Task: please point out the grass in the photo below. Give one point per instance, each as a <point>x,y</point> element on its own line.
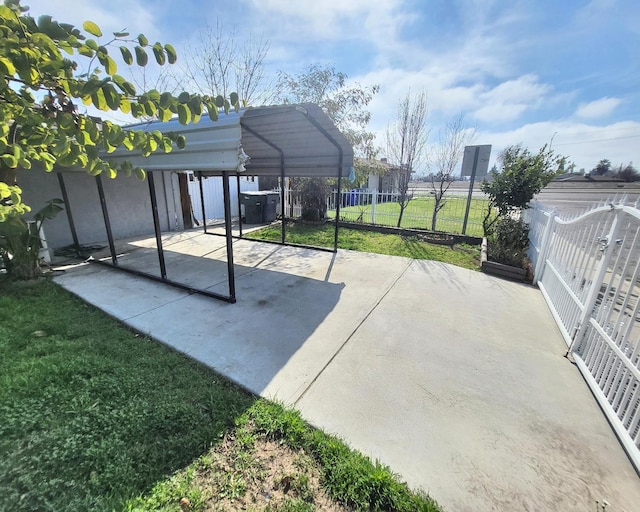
<point>95,417</point>
<point>418,214</point>
<point>462,255</point>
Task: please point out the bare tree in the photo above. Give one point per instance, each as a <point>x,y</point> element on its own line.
<point>219,65</point>
<point>344,103</point>
<point>405,143</point>
<point>447,153</point>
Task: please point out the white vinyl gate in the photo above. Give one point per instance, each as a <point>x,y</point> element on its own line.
<point>588,269</point>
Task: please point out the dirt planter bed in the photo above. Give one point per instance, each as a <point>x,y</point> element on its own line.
<point>500,269</point>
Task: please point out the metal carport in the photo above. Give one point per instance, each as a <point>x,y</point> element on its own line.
<point>283,140</point>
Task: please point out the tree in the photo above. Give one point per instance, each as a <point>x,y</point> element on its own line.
<point>40,88</point>
<point>628,173</point>
<point>603,167</point>
<point>510,191</point>
<point>523,175</point>
<point>448,152</point>
<point>218,64</point>
<point>344,104</point>
<point>405,143</point>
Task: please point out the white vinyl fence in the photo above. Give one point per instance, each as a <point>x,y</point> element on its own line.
<point>588,269</point>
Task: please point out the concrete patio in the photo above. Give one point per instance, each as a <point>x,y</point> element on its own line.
<point>454,379</point>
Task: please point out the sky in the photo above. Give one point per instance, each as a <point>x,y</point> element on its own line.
<point>530,72</point>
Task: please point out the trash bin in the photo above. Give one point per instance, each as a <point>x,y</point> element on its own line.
<point>271,202</point>
<point>253,203</point>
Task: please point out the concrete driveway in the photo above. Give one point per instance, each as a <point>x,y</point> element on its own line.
<point>454,379</point>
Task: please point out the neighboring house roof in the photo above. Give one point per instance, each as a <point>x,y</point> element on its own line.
<point>380,166</point>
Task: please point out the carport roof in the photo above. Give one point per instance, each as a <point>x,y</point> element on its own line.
<point>300,140</point>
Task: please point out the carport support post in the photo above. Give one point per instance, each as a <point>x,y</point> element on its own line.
<point>335,234</point>
<point>107,223</point>
<point>227,229</point>
<point>156,225</point>
<point>72,225</point>
<point>204,218</point>
<point>282,215</point>
<point>239,206</point>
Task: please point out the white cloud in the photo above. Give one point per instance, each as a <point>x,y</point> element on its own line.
<point>332,18</point>
<point>509,100</point>
<point>598,108</point>
<point>584,144</point>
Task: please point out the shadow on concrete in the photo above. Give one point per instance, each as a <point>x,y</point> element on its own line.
<point>277,311</point>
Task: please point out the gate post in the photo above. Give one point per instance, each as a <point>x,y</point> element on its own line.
<point>592,297</point>
<point>544,247</point>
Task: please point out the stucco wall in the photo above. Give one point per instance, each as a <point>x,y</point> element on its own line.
<point>127,199</point>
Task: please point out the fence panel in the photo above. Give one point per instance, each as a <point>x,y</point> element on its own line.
<point>590,278</point>
<point>383,209</point>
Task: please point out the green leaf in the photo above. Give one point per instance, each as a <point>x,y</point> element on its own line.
<point>233,97</point>
<point>7,67</point>
<point>92,44</point>
<point>195,105</point>
<point>139,172</point>
<point>85,51</point>
<point>98,100</point>
<point>126,55</point>
<point>164,114</point>
<point>165,100</point>
<point>181,141</point>
<point>92,151</point>
<point>184,97</point>
<point>227,106</point>
<point>141,56</point>
<point>143,40</point>
<point>184,114</point>
<point>110,65</point>
<point>213,111</point>
<point>111,96</point>
<point>158,52</point>
<point>9,160</point>
<point>92,28</point>
<point>172,56</point>
<point>219,101</point>
<point>125,86</point>
<point>125,105</point>
<point>121,34</point>
<point>149,108</point>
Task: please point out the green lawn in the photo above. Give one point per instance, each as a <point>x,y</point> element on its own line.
<point>418,214</point>
<point>95,417</point>
<point>462,255</point>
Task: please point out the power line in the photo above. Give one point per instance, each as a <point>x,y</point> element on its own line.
<point>596,140</point>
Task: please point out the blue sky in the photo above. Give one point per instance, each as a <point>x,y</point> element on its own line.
<point>520,71</point>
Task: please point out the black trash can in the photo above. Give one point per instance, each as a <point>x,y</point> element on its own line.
<point>253,206</point>
<point>271,202</point>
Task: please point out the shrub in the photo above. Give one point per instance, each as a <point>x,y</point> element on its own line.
<point>509,242</point>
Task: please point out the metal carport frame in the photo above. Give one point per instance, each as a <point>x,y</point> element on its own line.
<point>285,140</point>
